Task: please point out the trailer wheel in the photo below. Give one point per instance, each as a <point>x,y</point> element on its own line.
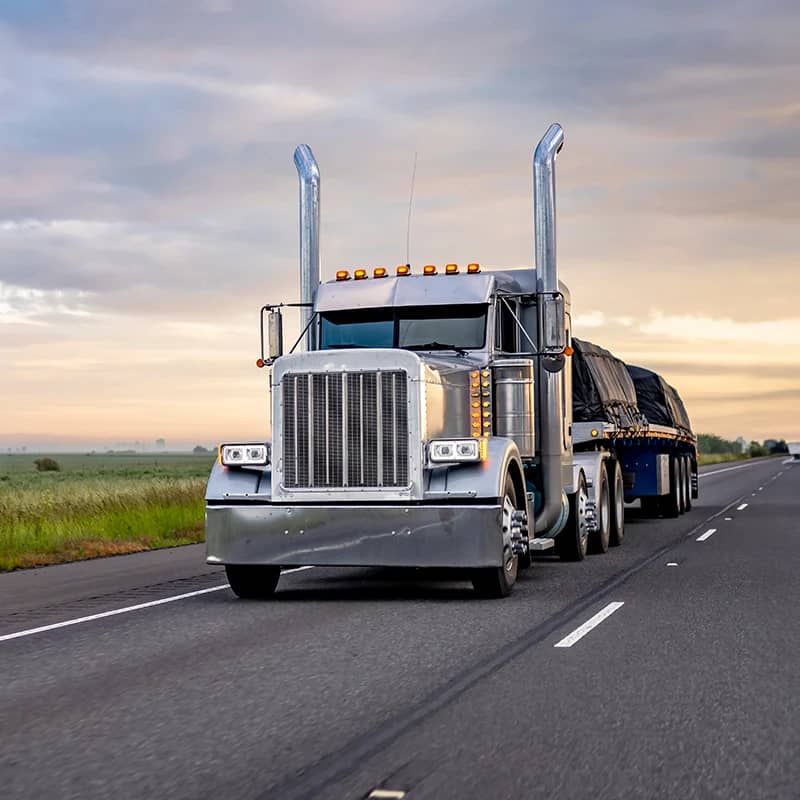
<point>499,581</point>
<point>617,507</point>
<point>688,482</point>
<point>252,581</point>
<point>599,538</point>
<point>671,504</point>
<point>574,539</point>
<point>682,476</point>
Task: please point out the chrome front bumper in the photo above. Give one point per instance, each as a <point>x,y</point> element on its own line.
<point>355,535</point>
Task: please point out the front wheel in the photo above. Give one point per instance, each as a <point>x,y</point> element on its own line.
<point>499,581</point>
<point>573,541</point>
<point>253,581</point>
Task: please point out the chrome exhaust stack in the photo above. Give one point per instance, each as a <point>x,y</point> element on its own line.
<point>308,174</point>
<point>551,517</point>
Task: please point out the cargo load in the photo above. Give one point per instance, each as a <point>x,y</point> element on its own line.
<point>602,389</point>
<point>658,401</point>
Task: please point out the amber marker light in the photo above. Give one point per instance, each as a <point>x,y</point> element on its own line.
<point>484,449</point>
<point>451,269</point>
<point>342,275</point>
<point>568,351</point>
<point>404,269</point>
<point>260,362</point>
<point>379,272</point>
<point>360,274</point>
<point>429,269</point>
<point>473,268</point>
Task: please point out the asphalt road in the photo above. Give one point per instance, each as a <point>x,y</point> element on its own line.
<point>352,680</point>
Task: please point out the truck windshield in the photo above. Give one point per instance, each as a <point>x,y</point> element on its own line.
<point>413,328</point>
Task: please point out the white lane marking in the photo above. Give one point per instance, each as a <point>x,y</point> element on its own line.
<point>728,519</point>
<point>728,469</point>
<point>114,612</point>
<point>389,794</point>
<point>742,507</point>
<point>704,536</point>
<point>672,563</point>
<point>760,488</point>
<point>590,623</point>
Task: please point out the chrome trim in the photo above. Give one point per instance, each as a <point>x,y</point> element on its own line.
<point>309,178</point>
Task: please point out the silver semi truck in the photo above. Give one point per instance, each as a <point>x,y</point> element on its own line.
<point>427,422</point>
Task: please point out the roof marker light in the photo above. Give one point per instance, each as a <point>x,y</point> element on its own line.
<point>379,272</point>
<point>342,275</point>
<point>360,274</point>
<point>473,268</point>
<point>429,269</point>
<point>451,269</point>
<point>404,269</point>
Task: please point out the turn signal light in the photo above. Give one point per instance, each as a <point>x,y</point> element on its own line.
<point>429,269</point>
<point>379,272</point>
<point>360,274</point>
<point>451,269</point>
<point>342,275</point>
<point>472,268</point>
<point>404,269</point>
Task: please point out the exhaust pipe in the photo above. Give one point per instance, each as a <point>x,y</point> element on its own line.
<point>308,174</point>
<point>553,514</point>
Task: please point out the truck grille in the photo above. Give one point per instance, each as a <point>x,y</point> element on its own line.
<point>345,429</point>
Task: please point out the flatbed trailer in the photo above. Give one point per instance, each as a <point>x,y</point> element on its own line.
<point>658,463</point>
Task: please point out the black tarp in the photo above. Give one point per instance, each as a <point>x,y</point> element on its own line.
<point>658,401</point>
<point>602,389</point>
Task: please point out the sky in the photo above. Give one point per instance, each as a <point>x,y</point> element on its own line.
<point>148,199</point>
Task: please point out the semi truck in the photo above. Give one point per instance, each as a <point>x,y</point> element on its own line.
<point>424,419</point>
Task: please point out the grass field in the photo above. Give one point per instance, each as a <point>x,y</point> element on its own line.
<point>98,505</point>
<point>705,460</point>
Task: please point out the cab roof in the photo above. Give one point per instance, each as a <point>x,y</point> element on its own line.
<point>425,290</point>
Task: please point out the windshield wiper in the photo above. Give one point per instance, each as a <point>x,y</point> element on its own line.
<point>345,346</point>
<point>436,346</point>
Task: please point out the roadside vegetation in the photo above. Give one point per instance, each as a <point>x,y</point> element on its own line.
<point>714,449</point>
<point>96,505</point>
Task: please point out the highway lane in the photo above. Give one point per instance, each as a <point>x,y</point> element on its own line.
<point>355,678</point>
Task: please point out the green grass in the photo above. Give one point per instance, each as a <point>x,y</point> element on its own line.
<point>98,505</point>
<point>706,459</point>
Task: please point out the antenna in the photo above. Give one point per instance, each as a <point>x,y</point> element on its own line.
<point>410,203</point>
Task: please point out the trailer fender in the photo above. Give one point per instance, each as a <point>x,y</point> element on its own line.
<point>230,483</point>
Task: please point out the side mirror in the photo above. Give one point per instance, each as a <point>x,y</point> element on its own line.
<point>274,335</point>
<point>554,336</point>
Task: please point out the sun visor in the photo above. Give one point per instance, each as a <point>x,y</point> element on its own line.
<point>409,290</point>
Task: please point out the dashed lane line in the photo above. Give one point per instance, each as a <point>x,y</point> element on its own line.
<point>710,532</point>
<point>589,625</point>
<point>742,507</point>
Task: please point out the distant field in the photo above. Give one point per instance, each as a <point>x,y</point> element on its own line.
<point>705,459</point>
<point>98,505</point>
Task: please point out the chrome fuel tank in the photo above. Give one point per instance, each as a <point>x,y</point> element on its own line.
<point>514,403</point>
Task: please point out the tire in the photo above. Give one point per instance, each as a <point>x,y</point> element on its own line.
<point>682,482</point>
<point>671,503</point>
<point>495,582</point>
<point>573,541</point>
<point>253,581</point>
<point>688,462</point>
<point>599,539</point>
<point>617,532</point>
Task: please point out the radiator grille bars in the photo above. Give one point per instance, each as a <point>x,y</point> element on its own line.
<point>345,429</point>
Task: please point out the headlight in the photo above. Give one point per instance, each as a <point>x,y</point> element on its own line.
<point>454,450</point>
<point>244,455</point>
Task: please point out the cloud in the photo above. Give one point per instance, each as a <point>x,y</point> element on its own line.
<point>765,333</point>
